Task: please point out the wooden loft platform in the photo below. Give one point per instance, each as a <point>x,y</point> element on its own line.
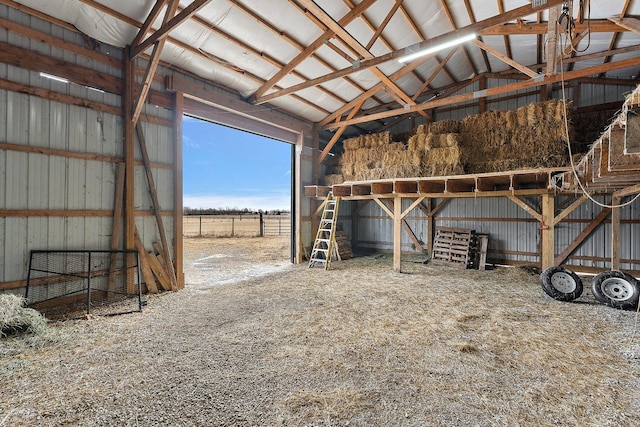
<point>512,183</point>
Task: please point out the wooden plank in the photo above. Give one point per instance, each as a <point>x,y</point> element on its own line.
<point>145,268</point>
<point>547,231</point>
<point>178,223</point>
<point>116,226</point>
<point>582,236</point>
<point>159,271</point>
<point>156,208</point>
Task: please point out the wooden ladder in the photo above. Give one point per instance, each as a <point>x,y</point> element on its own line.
<point>325,237</point>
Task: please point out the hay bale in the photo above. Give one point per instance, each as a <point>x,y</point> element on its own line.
<point>443,126</point>
<point>333,179</point>
<point>15,318</point>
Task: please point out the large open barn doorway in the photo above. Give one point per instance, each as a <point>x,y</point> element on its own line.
<point>237,192</point>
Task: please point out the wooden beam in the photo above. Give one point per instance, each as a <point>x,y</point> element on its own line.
<point>504,58</point>
<point>355,44</point>
<point>328,34</point>
<point>582,236</point>
<point>146,25</point>
<point>634,189</point>
<point>169,24</point>
<point>395,54</point>
<point>562,215</point>
<point>631,24</point>
<point>129,153</point>
<point>152,65</point>
<point>625,63</point>
<point>524,205</point>
<point>541,28</point>
<point>338,133</point>
<point>225,102</point>
<point>178,223</point>
<point>157,209</point>
<point>397,234</point>
<point>116,226</point>
<point>384,207</point>
<point>412,206</point>
<point>384,23</point>
<point>433,75</point>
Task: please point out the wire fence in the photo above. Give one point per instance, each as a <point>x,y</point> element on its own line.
<point>242,225</point>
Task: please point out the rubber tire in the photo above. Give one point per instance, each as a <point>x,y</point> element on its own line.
<point>616,289</point>
<point>561,283</point>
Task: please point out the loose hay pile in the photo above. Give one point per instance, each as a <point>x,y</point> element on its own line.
<point>532,136</point>
<point>434,346</point>
<point>15,318</point>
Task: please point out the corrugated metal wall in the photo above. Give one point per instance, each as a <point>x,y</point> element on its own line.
<point>513,233</point>
<point>32,184</point>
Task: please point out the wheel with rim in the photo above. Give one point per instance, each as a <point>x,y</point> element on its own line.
<point>561,283</point>
<point>616,289</point>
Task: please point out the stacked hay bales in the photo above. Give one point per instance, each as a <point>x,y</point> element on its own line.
<point>376,156</point>
<point>532,136</point>
<point>437,145</point>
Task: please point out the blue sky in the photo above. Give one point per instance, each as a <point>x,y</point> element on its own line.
<point>227,168</point>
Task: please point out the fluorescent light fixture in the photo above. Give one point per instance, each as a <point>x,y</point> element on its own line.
<point>94,89</point>
<point>410,56</point>
<point>52,77</point>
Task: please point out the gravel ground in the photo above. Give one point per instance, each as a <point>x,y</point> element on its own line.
<point>256,341</point>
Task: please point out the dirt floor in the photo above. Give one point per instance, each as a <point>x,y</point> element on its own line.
<point>256,341</point>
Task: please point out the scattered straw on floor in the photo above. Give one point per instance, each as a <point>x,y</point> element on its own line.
<point>355,345</point>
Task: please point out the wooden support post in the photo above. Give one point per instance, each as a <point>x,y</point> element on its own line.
<point>615,233</point>
<point>116,227</point>
<point>129,163</point>
<point>178,232</point>
<point>298,191</point>
<point>430,224</point>
<point>397,234</point>
<point>547,240</point>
